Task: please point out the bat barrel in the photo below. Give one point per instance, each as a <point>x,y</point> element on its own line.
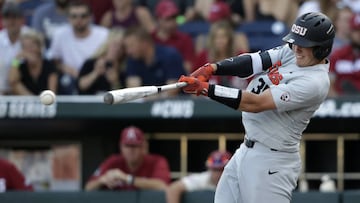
<point>109,98</point>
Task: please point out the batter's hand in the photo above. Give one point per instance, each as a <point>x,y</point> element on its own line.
<point>203,73</point>
<point>194,86</point>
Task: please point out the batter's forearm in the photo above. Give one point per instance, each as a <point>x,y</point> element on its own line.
<point>243,66</point>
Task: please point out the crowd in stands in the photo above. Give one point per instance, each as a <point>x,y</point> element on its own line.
<point>89,47</point>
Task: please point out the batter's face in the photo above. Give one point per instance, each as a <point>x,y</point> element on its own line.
<point>304,56</point>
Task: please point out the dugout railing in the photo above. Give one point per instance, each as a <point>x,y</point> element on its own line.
<point>184,129</point>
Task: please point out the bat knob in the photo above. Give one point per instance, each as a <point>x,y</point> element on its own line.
<point>108,98</point>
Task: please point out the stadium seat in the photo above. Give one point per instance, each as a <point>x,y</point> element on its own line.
<point>146,196</point>
<point>68,197</point>
<point>195,28</point>
<point>263,34</point>
<point>351,197</point>
<point>204,196</point>
<point>316,197</point>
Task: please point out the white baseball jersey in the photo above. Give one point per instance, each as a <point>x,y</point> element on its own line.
<point>297,93</point>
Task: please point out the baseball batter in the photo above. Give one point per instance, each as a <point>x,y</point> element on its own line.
<point>288,85</point>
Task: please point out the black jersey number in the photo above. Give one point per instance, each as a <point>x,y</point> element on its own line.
<point>261,86</point>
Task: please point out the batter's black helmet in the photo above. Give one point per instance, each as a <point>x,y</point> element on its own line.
<point>313,30</point>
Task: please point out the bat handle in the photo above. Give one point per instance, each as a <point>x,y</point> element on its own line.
<point>172,86</point>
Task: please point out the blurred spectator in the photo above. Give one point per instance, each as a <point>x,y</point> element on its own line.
<point>342,27</point>
<point>82,40</point>
<point>13,26</point>
<point>327,184</point>
<point>31,73</point>
<point>150,64</point>
<point>202,10</point>
<point>11,178</point>
<point>167,32</point>
<point>48,17</point>
<point>281,10</point>
<point>327,7</point>
<point>98,8</point>
<point>345,74</point>
<point>125,15</point>
<point>220,45</point>
<point>237,11</point>
<point>104,71</point>
<point>206,180</point>
<point>1,5</point>
<point>28,7</point>
<point>199,10</point>
<point>134,168</point>
<point>220,11</point>
<point>353,4</point>
<point>151,4</point>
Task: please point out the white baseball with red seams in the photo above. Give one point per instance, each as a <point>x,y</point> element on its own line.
<point>47,97</point>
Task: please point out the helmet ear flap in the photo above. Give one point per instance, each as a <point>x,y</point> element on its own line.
<point>320,52</point>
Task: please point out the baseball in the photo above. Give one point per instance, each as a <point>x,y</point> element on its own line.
<point>47,97</point>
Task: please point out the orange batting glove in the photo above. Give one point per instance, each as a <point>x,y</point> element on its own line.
<point>194,86</point>
<point>203,73</point>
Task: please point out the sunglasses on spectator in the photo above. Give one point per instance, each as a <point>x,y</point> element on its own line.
<point>82,15</point>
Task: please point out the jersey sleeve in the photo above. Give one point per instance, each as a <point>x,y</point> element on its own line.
<point>299,93</point>
<point>17,179</point>
<point>249,64</point>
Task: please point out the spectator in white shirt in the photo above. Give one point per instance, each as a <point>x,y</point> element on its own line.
<point>13,26</point>
<point>206,180</point>
<point>73,44</point>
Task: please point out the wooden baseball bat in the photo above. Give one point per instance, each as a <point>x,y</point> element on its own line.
<point>132,93</point>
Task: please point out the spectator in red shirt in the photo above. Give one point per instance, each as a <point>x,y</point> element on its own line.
<point>344,68</point>
<point>99,8</point>
<point>167,32</point>
<point>134,168</point>
<point>11,178</point>
<point>125,14</point>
